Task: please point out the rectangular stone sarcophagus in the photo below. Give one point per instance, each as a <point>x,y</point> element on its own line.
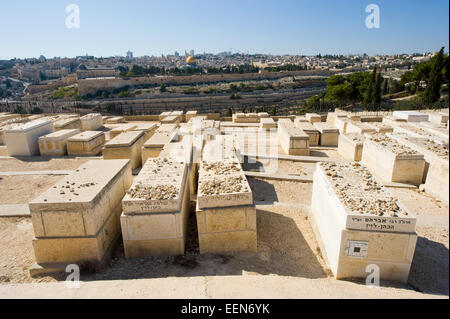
<point>77,220</point>
<point>359,224</point>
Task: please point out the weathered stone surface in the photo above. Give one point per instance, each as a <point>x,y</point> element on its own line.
<point>121,129</point>
<point>127,145</point>
<point>353,240</point>
<point>293,140</point>
<point>411,116</point>
<point>67,124</point>
<point>115,120</point>
<point>89,143</point>
<point>311,130</point>
<point>91,122</point>
<point>56,143</point>
<point>79,204</point>
<point>329,135</point>
<point>400,163</point>
<point>313,117</point>
<point>23,139</point>
<point>351,146</point>
<point>156,210</point>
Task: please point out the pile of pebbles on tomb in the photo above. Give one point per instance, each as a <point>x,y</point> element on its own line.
<point>165,170</point>
<point>437,148</point>
<point>358,190</point>
<point>227,185</point>
<point>159,192</point>
<point>417,130</point>
<point>221,168</point>
<point>392,145</point>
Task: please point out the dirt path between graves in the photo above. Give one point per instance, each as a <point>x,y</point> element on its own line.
<point>23,189</point>
<point>39,163</point>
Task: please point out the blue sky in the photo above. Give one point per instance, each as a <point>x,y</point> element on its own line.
<point>149,27</point>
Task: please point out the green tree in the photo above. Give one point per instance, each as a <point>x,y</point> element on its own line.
<point>274,111</point>
<point>376,95</point>
<point>432,92</point>
<point>368,97</point>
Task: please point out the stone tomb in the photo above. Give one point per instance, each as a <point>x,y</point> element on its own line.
<point>77,220</point>
<point>163,136</point>
<point>156,210</point>
<point>23,140</point>
<point>382,127</point>
<point>341,124</point>
<point>172,119</point>
<point>248,117</point>
<point>351,146</point>
<point>358,223</point>
<point>89,143</point>
<point>332,116</point>
<point>300,119</point>
<point>421,131</point>
<point>120,129</point>
<point>437,171</point>
<point>329,135</point>
<point>411,116</point>
<point>190,115</point>
<point>68,124</point>
<point>115,120</point>
<point>308,128</point>
<point>163,115</point>
<point>429,129</point>
<point>392,161</point>
<point>91,122</point>
<point>293,140</point>
<point>148,128</point>
<point>182,151</point>
<point>55,144</point>
<point>226,215</point>
<point>267,124</point>
<point>127,145</point>
<point>313,117</point>
<point>438,118</point>
<point>360,128</point>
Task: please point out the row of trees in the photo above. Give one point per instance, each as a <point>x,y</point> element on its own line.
<point>425,79</point>
<point>137,70</point>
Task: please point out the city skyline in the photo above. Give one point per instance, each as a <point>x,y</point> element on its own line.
<point>282,28</point>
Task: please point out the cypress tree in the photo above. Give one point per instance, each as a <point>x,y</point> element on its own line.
<point>376,98</point>
<point>432,92</point>
<point>370,89</point>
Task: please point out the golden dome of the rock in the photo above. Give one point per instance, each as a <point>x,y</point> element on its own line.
<point>191,60</point>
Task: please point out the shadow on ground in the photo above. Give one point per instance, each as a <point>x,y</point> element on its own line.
<point>429,269</point>
<point>282,250</point>
<point>263,191</point>
<point>318,154</point>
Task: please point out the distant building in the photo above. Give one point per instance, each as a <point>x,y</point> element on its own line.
<point>129,55</point>
<point>177,54</point>
<point>191,62</point>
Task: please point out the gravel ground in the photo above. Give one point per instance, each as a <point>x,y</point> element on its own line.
<point>17,164</point>
<point>24,188</point>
